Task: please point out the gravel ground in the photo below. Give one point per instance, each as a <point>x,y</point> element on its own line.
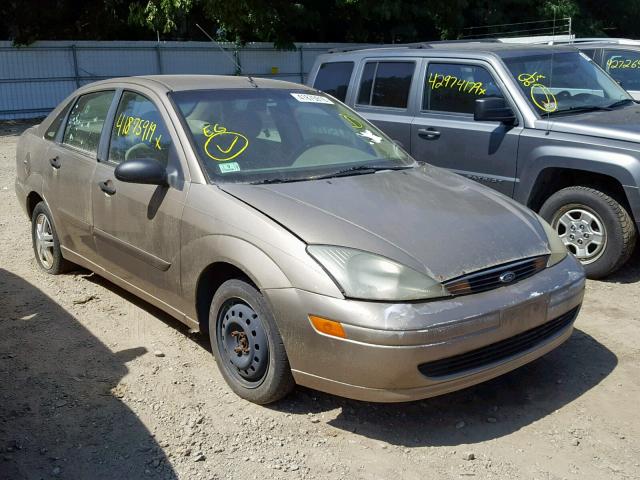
<point>95,383</point>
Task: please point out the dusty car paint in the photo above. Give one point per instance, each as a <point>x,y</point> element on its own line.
<point>163,241</point>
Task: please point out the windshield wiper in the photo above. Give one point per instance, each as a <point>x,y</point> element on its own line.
<point>590,108</point>
<point>619,103</point>
<point>360,170</point>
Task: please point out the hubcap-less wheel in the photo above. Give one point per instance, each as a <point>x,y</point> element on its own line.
<point>44,241</point>
<point>582,231</point>
<point>242,342</point>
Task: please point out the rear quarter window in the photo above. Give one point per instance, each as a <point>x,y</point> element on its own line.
<point>333,78</point>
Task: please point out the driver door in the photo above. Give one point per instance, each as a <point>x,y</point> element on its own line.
<point>137,227</point>
<point>444,132</point>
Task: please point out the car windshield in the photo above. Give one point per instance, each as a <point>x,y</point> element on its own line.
<point>263,135</point>
<point>565,82</point>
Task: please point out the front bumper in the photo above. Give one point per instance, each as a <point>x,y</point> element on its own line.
<point>386,343</point>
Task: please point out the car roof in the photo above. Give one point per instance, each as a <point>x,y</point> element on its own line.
<point>462,48</point>
<point>174,83</point>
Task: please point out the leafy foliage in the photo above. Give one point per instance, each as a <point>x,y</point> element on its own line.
<point>282,22</point>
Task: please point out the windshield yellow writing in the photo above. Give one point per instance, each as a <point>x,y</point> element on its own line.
<point>138,127</point>
<point>618,62</point>
<point>354,122</point>
<point>438,80</point>
<point>222,145</point>
<point>541,96</point>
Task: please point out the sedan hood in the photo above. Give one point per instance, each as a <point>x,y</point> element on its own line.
<point>620,124</point>
<point>426,218</point>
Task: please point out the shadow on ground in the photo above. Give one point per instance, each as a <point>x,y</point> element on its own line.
<point>490,410</point>
<point>10,128</point>
<point>629,272</point>
<point>59,412</point>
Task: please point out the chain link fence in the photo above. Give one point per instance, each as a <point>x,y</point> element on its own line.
<point>34,79</point>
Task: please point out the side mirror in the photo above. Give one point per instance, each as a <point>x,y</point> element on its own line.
<point>493,109</point>
<point>142,170</point>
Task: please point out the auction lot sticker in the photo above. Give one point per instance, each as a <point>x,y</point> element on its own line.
<point>305,97</point>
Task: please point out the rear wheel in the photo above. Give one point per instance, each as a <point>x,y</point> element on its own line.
<point>247,344</point>
<point>594,226</point>
<point>46,244</point>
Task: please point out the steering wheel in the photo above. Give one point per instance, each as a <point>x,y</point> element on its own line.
<point>563,95</point>
<point>293,156</point>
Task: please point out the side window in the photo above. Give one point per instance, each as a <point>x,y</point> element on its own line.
<point>624,67</point>
<point>86,121</point>
<point>386,84</point>
<point>138,131</point>
<point>333,78</point>
<point>589,52</point>
<point>52,131</point>
<point>455,87</point>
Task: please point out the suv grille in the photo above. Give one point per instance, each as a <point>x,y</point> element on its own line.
<point>495,277</point>
<point>498,351</point>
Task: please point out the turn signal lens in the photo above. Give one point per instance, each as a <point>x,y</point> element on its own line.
<point>328,327</point>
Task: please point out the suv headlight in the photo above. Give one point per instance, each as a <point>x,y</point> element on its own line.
<point>558,249</point>
<point>373,277</point>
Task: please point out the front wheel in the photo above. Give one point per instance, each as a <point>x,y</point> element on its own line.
<point>247,345</point>
<point>595,227</point>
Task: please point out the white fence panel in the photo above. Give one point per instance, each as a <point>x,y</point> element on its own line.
<point>34,79</point>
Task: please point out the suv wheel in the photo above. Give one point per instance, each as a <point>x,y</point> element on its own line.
<point>595,228</point>
<point>247,345</point>
<point>46,245</point>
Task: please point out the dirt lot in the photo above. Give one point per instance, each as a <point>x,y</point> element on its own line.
<point>97,384</point>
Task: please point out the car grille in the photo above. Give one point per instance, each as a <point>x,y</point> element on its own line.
<point>494,277</point>
<point>497,351</point>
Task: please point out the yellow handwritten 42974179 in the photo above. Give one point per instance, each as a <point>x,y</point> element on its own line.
<point>228,145</point>
<point>540,94</point>
<point>438,80</point>
<point>139,127</point>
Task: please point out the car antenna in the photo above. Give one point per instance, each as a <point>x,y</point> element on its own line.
<point>235,62</point>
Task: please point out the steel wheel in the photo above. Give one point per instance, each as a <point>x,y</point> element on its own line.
<point>44,241</point>
<point>582,231</point>
<point>242,342</point>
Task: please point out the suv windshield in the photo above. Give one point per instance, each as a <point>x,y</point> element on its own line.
<point>278,135</point>
<point>565,82</point>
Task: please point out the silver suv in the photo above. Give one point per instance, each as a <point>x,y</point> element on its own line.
<point>542,124</point>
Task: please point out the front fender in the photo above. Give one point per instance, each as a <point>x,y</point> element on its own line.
<point>619,164</point>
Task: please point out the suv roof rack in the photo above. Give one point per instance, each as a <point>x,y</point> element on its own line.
<point>428,44</point>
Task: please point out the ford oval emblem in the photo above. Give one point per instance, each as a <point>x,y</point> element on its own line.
<point>507,277</point>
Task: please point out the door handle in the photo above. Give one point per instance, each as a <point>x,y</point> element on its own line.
<point>55,162</point>
<point>106,187</point>
<point>428,133</point>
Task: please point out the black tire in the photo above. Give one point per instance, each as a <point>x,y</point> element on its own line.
<point>250,356</point>
<point>607,213</point>
<point>53,262</point>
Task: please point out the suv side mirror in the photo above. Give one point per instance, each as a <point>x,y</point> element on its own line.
<point>142,170</point>
<point>493,109</point>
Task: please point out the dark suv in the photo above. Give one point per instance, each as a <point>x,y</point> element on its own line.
<point>542,124</point>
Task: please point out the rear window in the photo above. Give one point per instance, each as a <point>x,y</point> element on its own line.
<point>333,78</point>
<point>53,129</point>
<point>386,84</point>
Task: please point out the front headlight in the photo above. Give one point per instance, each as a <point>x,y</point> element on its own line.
<point>372,277</point>
<point>558,249</point>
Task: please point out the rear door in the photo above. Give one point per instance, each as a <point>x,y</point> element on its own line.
<point>624,67</point>
<point>445,134</point>
<point>383,95</point>
<point>137,227</point>
<point>70,164</point>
